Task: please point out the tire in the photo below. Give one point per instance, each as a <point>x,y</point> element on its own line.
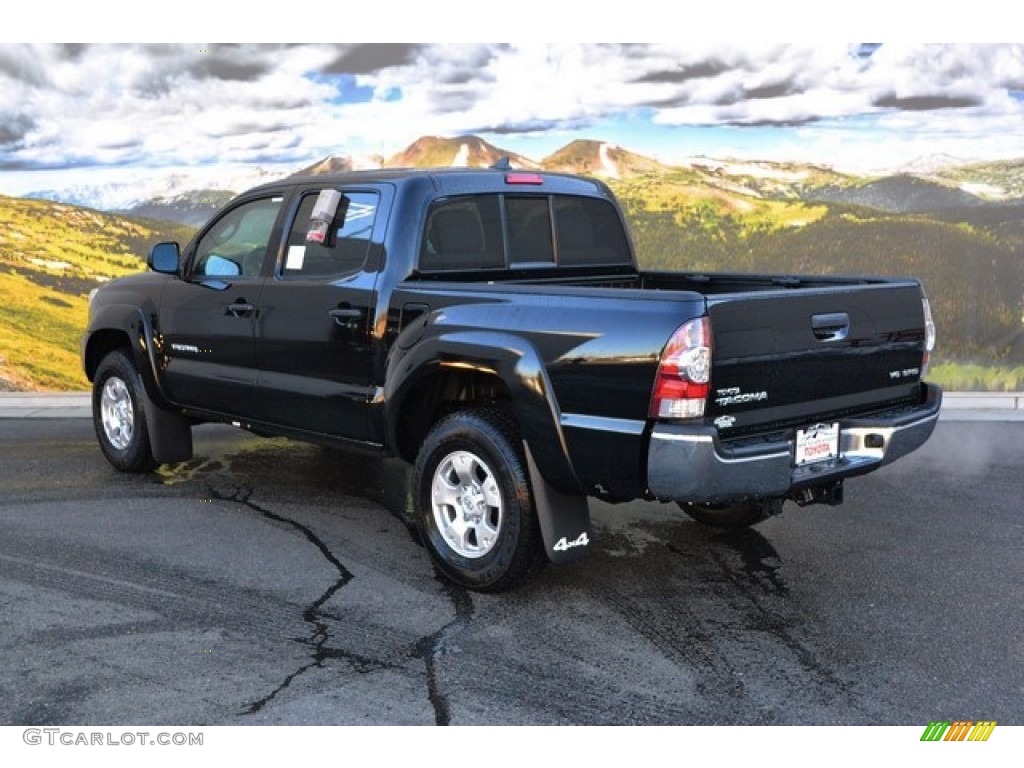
<point>733,517</point>
<point>474,505</point>
<point>118,415</point>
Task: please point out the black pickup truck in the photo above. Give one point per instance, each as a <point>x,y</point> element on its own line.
<point>492,328</point>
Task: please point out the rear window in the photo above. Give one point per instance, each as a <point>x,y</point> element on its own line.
<point>588,232</point>
<point>463,233</point>
<point>500,231</point>
<point>530,239</point>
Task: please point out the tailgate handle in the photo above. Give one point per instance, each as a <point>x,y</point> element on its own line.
<point>831,327</point>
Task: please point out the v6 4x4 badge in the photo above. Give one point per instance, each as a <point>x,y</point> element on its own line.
<point>564,544</point>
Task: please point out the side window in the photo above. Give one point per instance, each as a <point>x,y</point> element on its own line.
<point>346,248</point>
<point>237,244</point>
<point>589,231</point>
<point>529,231</point>
<point>463,233</point>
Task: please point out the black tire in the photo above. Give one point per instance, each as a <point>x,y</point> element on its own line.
<point>474,505</point>
<point>118,415</point>
<point>733,517</point>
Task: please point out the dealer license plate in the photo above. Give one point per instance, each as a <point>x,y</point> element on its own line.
<point>817,443</point>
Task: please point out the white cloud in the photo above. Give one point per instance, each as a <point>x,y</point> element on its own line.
<point>174,104</point>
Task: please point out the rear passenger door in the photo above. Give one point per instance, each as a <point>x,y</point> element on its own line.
<point>317,313</point>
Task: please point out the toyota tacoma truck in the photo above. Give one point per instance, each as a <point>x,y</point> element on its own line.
<point>492,328</point>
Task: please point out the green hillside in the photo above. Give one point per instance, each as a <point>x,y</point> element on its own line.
<point>713,216</point>
<point>998,180</point>
<point>969,260</point>
<point>51,256</point>
<point>685,220</point>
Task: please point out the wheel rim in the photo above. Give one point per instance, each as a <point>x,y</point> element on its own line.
<point>466,504</point>
<point>117,413</point>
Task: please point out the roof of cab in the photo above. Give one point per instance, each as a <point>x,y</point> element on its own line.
<point>453,180</point>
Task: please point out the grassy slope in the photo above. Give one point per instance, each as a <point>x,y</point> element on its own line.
<point>51,256</point>
<point>681,219</point>
<point>970,262</point>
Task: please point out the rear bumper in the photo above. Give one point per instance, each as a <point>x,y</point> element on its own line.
<point>689,463</point>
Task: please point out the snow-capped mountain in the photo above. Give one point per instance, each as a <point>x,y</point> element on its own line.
<point>341,164</point>
<point>461,151</point>
<point>929,164</point>
<point>140,186</point>
<point>599,158</point>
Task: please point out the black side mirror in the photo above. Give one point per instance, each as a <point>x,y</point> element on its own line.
<point>164,258</point>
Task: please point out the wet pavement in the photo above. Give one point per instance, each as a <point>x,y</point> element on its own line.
<point>271,582</point>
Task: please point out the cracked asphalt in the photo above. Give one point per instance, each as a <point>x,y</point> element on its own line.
<point>271,582</point>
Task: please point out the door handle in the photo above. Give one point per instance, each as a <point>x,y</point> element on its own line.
<point>345,316</point>
<point>830,327</point>
<point>239,309</point>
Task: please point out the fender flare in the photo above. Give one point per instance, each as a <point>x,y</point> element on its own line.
<point>142,340</point>
<point>517,364</point>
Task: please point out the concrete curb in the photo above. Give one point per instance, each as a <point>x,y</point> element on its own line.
<point>45,405</point>
<point>984,401</point>
<point>956,406</point>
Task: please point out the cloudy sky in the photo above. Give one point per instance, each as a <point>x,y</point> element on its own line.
<point>92,110</point>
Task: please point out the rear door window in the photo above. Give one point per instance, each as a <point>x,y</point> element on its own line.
<point>347,245</point>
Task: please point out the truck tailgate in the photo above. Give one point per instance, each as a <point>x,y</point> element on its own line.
<point>789,356</point>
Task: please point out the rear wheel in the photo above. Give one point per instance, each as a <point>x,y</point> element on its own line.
<point>118,416</point>
<point>733,516</point>
<point>474,505</point>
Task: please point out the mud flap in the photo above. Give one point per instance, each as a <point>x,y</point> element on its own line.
<point>564,518</point>
<point>170,436</point>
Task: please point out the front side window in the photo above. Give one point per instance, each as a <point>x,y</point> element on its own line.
<point>236,245</point>
<point>347,244</point>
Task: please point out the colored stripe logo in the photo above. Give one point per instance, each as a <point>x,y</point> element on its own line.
<point>960,730</point>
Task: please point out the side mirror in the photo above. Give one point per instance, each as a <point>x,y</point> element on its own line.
<point>164,258</point>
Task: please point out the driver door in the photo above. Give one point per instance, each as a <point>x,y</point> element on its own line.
<point>207,318</point>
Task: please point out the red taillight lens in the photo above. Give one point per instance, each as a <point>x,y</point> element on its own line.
<point>684,374</point>
<point>929,337</point>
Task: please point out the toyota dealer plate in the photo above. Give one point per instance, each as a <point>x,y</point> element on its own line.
<point>817,443</point>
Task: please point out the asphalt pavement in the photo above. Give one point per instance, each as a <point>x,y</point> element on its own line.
<point>271,582</point>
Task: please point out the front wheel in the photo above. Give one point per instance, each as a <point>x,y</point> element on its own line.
<point>733,517</point>
<point>474,505</point>
<point>118,416</point>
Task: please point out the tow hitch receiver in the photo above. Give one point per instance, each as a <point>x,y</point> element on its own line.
<point>831,494</point>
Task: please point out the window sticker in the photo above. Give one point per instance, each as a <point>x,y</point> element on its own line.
<point>296,256</point>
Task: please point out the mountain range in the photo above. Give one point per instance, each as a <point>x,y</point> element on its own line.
<point>960,228</point>
<point>931,183</point>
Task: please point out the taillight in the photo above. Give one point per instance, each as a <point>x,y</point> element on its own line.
<point>682,384</point>
<point>929,337</point>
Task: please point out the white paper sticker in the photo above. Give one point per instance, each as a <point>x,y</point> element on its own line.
<point>296,255</point>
